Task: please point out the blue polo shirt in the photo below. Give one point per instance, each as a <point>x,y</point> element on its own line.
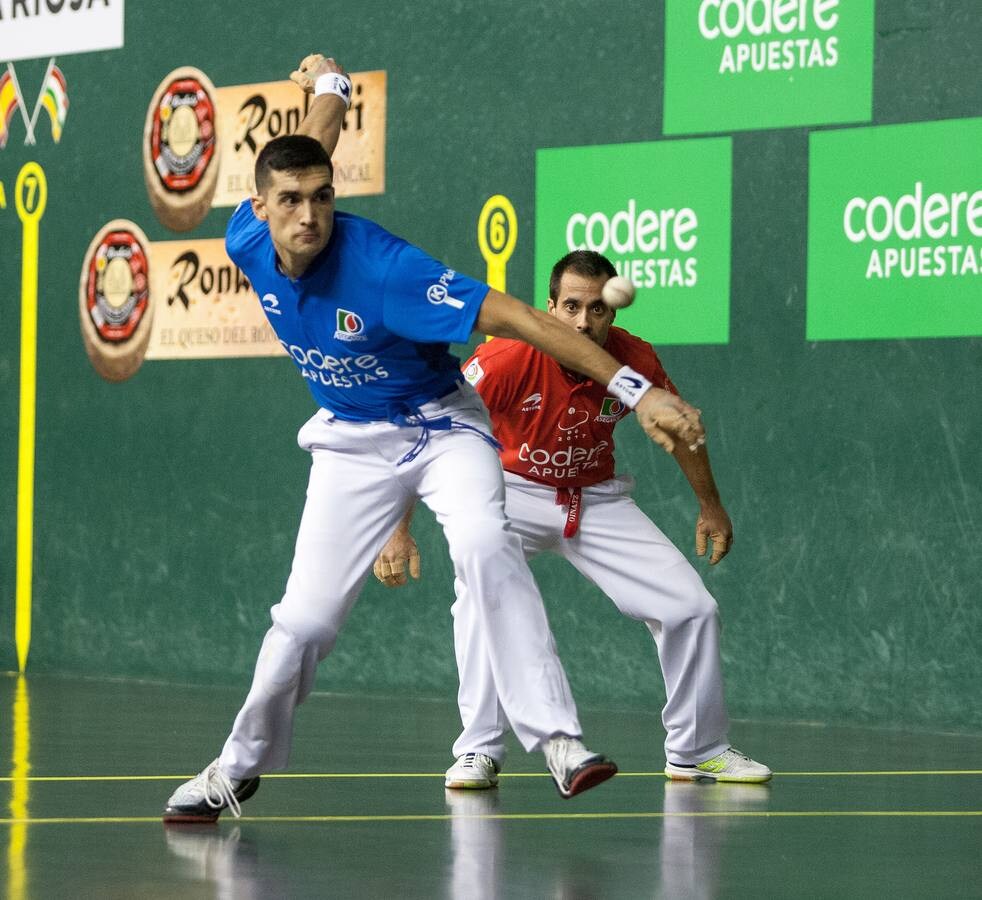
<point>369,323</point>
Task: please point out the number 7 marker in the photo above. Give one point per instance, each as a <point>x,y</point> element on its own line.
<point>30,197</point>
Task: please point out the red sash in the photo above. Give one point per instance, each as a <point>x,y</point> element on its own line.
<point>570,498</point>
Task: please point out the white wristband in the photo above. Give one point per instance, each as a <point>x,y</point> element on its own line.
<point>628,386</point>
<point>334,83</point>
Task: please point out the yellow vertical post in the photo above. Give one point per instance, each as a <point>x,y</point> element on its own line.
<point>30,197</point>
<point>497,233</point>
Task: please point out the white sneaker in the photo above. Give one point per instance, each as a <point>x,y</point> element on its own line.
<point>203,798</point>
<point>730,765</point>
<point>574,768</point>
<point>472,772</point>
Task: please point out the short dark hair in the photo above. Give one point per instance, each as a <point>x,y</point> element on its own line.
<point>588,263</point>
<point>289,152</point>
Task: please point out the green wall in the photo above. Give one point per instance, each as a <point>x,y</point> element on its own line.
<point>166,506</point>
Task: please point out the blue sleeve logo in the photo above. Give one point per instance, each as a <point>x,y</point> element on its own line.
<point>438,294</point>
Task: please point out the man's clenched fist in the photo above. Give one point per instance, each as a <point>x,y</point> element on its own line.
<point>311,67</point>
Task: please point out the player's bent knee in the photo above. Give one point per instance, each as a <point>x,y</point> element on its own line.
<point>694,602</point>
<point>484,541</point>
<point>705,606</point>
<point>280,662</point>
<point>699,602</point>
<point>308,633</point>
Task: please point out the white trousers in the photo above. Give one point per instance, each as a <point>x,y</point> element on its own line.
<point>356,495</point>
<point>627,556</point>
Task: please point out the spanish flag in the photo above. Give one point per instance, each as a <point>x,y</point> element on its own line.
<point>55,101</point>
<point>9,100</point>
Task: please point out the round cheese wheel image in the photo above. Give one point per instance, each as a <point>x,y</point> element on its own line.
<point>181,148</point>
<point>114,300</point>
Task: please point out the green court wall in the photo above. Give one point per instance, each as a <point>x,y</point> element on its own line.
<point>166,506</point>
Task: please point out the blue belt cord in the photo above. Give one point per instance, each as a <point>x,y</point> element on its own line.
<point>413,418</point>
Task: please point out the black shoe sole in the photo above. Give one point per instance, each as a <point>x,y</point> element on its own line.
<point>590,774</point>
<point>204,814</point>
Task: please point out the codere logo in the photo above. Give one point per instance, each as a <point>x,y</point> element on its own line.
<point>937,232</point>
<point>771,34</point>
<point>663,236</point>
<point>567,462</point>
<point>335,371</point>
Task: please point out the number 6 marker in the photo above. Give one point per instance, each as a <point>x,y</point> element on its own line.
<point>497,234</point>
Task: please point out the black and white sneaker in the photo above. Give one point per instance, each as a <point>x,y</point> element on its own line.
<point>203,798</point>
<point>472,772</point>
<point>574,768</point>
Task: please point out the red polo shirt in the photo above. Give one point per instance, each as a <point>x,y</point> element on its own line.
<point>556,427</point>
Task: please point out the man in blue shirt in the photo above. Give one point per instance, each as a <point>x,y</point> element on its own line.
<point>367,319</point>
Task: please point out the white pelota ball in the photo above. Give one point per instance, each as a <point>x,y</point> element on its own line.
<point>618,292</point>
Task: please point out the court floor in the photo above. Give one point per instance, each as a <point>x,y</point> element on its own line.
<point>362,811</point>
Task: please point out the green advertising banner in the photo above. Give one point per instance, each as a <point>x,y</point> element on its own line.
<point>734,65</point>
<point>661,213</point>
<point>895,231</point>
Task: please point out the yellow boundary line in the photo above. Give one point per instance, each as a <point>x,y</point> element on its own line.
<point>355,775</point>
<point>445,817</point>
<point>897,772</point>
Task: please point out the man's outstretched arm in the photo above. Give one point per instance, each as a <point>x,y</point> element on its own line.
<point>664,416</point>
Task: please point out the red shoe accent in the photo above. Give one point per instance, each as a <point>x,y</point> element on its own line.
<point>589,775</point>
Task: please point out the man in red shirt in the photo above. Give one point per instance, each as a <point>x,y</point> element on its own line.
<point>556,431</point>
